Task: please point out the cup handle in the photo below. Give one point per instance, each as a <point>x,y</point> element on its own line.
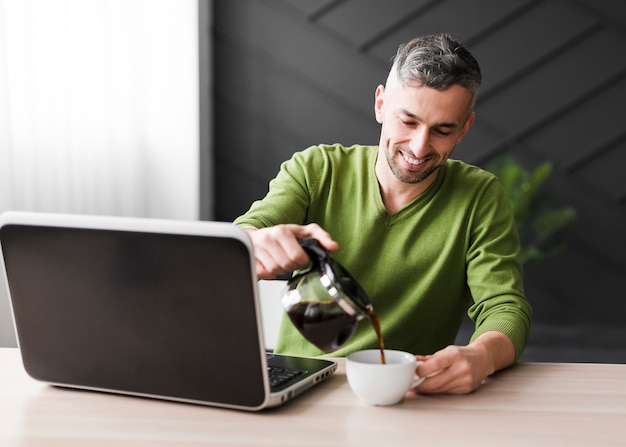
<point>418,380</point>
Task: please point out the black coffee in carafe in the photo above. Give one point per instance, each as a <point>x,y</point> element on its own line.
<point>322,325</point>
<point>326,303</point>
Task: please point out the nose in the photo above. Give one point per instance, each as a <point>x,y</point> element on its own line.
<point>419,142</point>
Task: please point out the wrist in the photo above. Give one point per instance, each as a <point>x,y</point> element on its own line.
<point>496,351</point>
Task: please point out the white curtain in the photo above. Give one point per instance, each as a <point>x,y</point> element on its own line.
<point>99,107</point>
<point>98,110</point>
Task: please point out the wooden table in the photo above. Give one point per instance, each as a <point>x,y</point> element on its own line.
<point>532,404</point>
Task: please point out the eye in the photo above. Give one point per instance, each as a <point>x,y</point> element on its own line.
<point>406,122</point>
<point>442,132</point>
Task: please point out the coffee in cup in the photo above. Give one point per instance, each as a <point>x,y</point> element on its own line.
<point>375,383</point>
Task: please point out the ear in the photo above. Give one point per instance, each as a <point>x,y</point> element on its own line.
<point>378,103</point>
<point>466,126</point>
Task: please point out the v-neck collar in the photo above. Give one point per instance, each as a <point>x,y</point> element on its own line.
<point>409,208</point>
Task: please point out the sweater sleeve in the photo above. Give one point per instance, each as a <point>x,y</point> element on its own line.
<point>494,272</point>
<point>288,198</point>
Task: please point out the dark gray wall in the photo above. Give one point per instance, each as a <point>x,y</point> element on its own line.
<point>291,73</point>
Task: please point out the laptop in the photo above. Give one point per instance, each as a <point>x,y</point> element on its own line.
<point>146,307</point>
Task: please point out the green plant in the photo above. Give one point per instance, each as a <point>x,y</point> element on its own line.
<point>538,218</point>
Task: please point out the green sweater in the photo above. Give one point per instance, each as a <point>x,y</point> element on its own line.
<point>455,246</point>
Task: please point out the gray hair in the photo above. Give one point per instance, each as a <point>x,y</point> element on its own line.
<point>437,61</point>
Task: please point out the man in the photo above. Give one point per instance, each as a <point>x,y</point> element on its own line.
<point>423,234</point>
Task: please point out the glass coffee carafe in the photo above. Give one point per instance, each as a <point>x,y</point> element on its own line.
<point>324,301</point>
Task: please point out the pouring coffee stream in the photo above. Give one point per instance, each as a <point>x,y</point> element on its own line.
<point>379,333</point>
<point>325,303</point>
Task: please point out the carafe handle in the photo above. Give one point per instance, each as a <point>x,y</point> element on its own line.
<point>319,256</point>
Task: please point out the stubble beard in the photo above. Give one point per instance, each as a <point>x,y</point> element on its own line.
<point>409,177</point>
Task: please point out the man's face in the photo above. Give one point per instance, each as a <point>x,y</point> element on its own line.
<point>420,127</point>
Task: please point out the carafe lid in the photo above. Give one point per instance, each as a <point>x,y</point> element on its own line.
<point>337,281</point>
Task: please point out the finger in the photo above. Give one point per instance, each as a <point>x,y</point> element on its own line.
<point>271,259</point>
<point>435,383</point>
<point>266,267</point>
<point>436,369</point>
<point>277,250</point>
<point>284,257</point>
<point>452,385</point>
<point>432,365</point>
<point>262,272</point>
<point>315,231</point>
<point>455,379</point>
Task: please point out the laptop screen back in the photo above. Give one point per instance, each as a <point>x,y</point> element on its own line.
<point>146,313</point>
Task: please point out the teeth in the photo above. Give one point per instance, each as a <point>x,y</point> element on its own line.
<point>413,161</point>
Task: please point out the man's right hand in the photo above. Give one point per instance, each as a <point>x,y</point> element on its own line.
<point>277,251</point>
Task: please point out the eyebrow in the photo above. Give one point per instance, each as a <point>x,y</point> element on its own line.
<point>415,117</point>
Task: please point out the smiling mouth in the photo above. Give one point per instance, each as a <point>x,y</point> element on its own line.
<point>415,162</point>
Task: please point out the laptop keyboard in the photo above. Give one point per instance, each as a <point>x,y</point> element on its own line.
<point>279,375</point>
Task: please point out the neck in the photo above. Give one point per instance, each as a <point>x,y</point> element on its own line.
<point>396,194</point>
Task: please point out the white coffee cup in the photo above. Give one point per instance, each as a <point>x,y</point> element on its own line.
<point>375,383</point>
